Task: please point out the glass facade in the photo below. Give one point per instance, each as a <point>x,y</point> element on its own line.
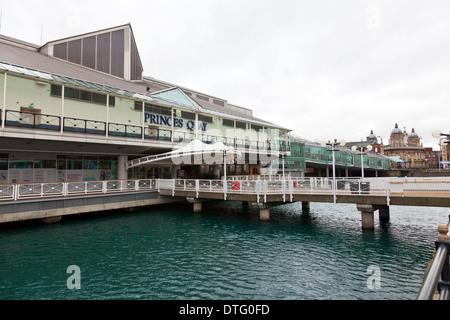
<point>103,52</point>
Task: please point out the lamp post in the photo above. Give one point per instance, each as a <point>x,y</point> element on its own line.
<point>333,146</point>
<point>369,148</point>
<point>439,135</point>
<point>283,154</point>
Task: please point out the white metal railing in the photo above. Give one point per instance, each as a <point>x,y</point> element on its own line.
<point>65,189</point>
<point>385,187</point>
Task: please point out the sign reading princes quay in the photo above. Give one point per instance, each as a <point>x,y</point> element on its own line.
<point>153,119</point>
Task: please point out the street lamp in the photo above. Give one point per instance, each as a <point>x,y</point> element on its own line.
<point>439,135</point>
<point>333,146</point>
<point>369,148</point>
<point>283,154</point>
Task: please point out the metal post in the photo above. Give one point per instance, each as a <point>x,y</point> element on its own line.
<point>334,174</point>
<point>362,164</point>
<point>439,267</point>
<point>4,101</point>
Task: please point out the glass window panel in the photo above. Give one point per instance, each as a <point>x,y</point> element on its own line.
<point>3,164</point>
<point>74,51</point>
<point>61,162</point>
<point>71,93</point>
<point>99,98</point>
<point>89,52</point>
<point>56,90</point>
<point>117,53</point>
<point>187,115</point>
<point>20,164</point>
<point>228,123</point>
<point>104,52</point>
<point>241,125</point>
<point>112,101</point>
<point>60,50</point>
<point>90,164</point>
<point>75,163</point>
<point>85,96</point>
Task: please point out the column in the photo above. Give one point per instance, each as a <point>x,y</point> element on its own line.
<point>264,214</point>
<point>197,207</point>
<point>367,216</point>
<point>4,100</point>
<point>122,172</point>
<point>383,213</point>
<point>305,206</point>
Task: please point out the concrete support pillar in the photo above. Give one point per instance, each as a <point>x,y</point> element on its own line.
<point>384,213</point>
<point>197,207</point>
<point>122,172</point>
<point>264,214</point>
<point>367,216</point>
<point>305,206</point>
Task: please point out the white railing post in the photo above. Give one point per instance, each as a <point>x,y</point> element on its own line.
<point>257,189</point>
<point>65,189</point>
<point>388,187</point>
<point>136,185</point>
<point>225,186</point>
<point>197,187</point>
<point>173,187</point>
<point>16,191</point>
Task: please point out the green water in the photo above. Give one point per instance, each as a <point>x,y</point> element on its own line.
<point>170,253</point>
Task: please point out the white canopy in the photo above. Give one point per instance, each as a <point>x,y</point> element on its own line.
<point>195,147</point>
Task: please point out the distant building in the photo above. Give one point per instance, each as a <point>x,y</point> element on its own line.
<point>371,140</point>
<point>407,149</point>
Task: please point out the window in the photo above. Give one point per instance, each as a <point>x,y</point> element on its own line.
<point>256,128</point>
<point>56,91</point>
<point>241,125</point>
<point>219,103</point>
<point>89,45</point>
<point>86,96</point>
<point>205,119</point>
<point>187,115</point>
<point>71,93</point>
<point>61,162</point>
<point>75,163</point>
<point>104,52</point>
<point>60,51</point>
<point>100,98</point>
<point>228,123</point>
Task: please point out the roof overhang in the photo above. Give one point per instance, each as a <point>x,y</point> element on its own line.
<point>208,154</point>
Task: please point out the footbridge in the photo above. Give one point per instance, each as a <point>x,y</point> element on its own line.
<point>52,200</point>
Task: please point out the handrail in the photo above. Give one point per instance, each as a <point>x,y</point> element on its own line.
<point>263,186</point>
<point>437,277</point>
<point>27,191</point>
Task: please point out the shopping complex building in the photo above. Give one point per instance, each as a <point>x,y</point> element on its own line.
<point>80,108</point>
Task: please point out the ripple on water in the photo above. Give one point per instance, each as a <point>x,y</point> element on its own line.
<point>223,253</point>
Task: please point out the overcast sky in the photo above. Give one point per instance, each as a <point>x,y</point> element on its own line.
<point>325,69</point>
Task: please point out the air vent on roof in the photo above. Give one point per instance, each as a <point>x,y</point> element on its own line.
<point>203,97</point>
<point>219,103</point>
